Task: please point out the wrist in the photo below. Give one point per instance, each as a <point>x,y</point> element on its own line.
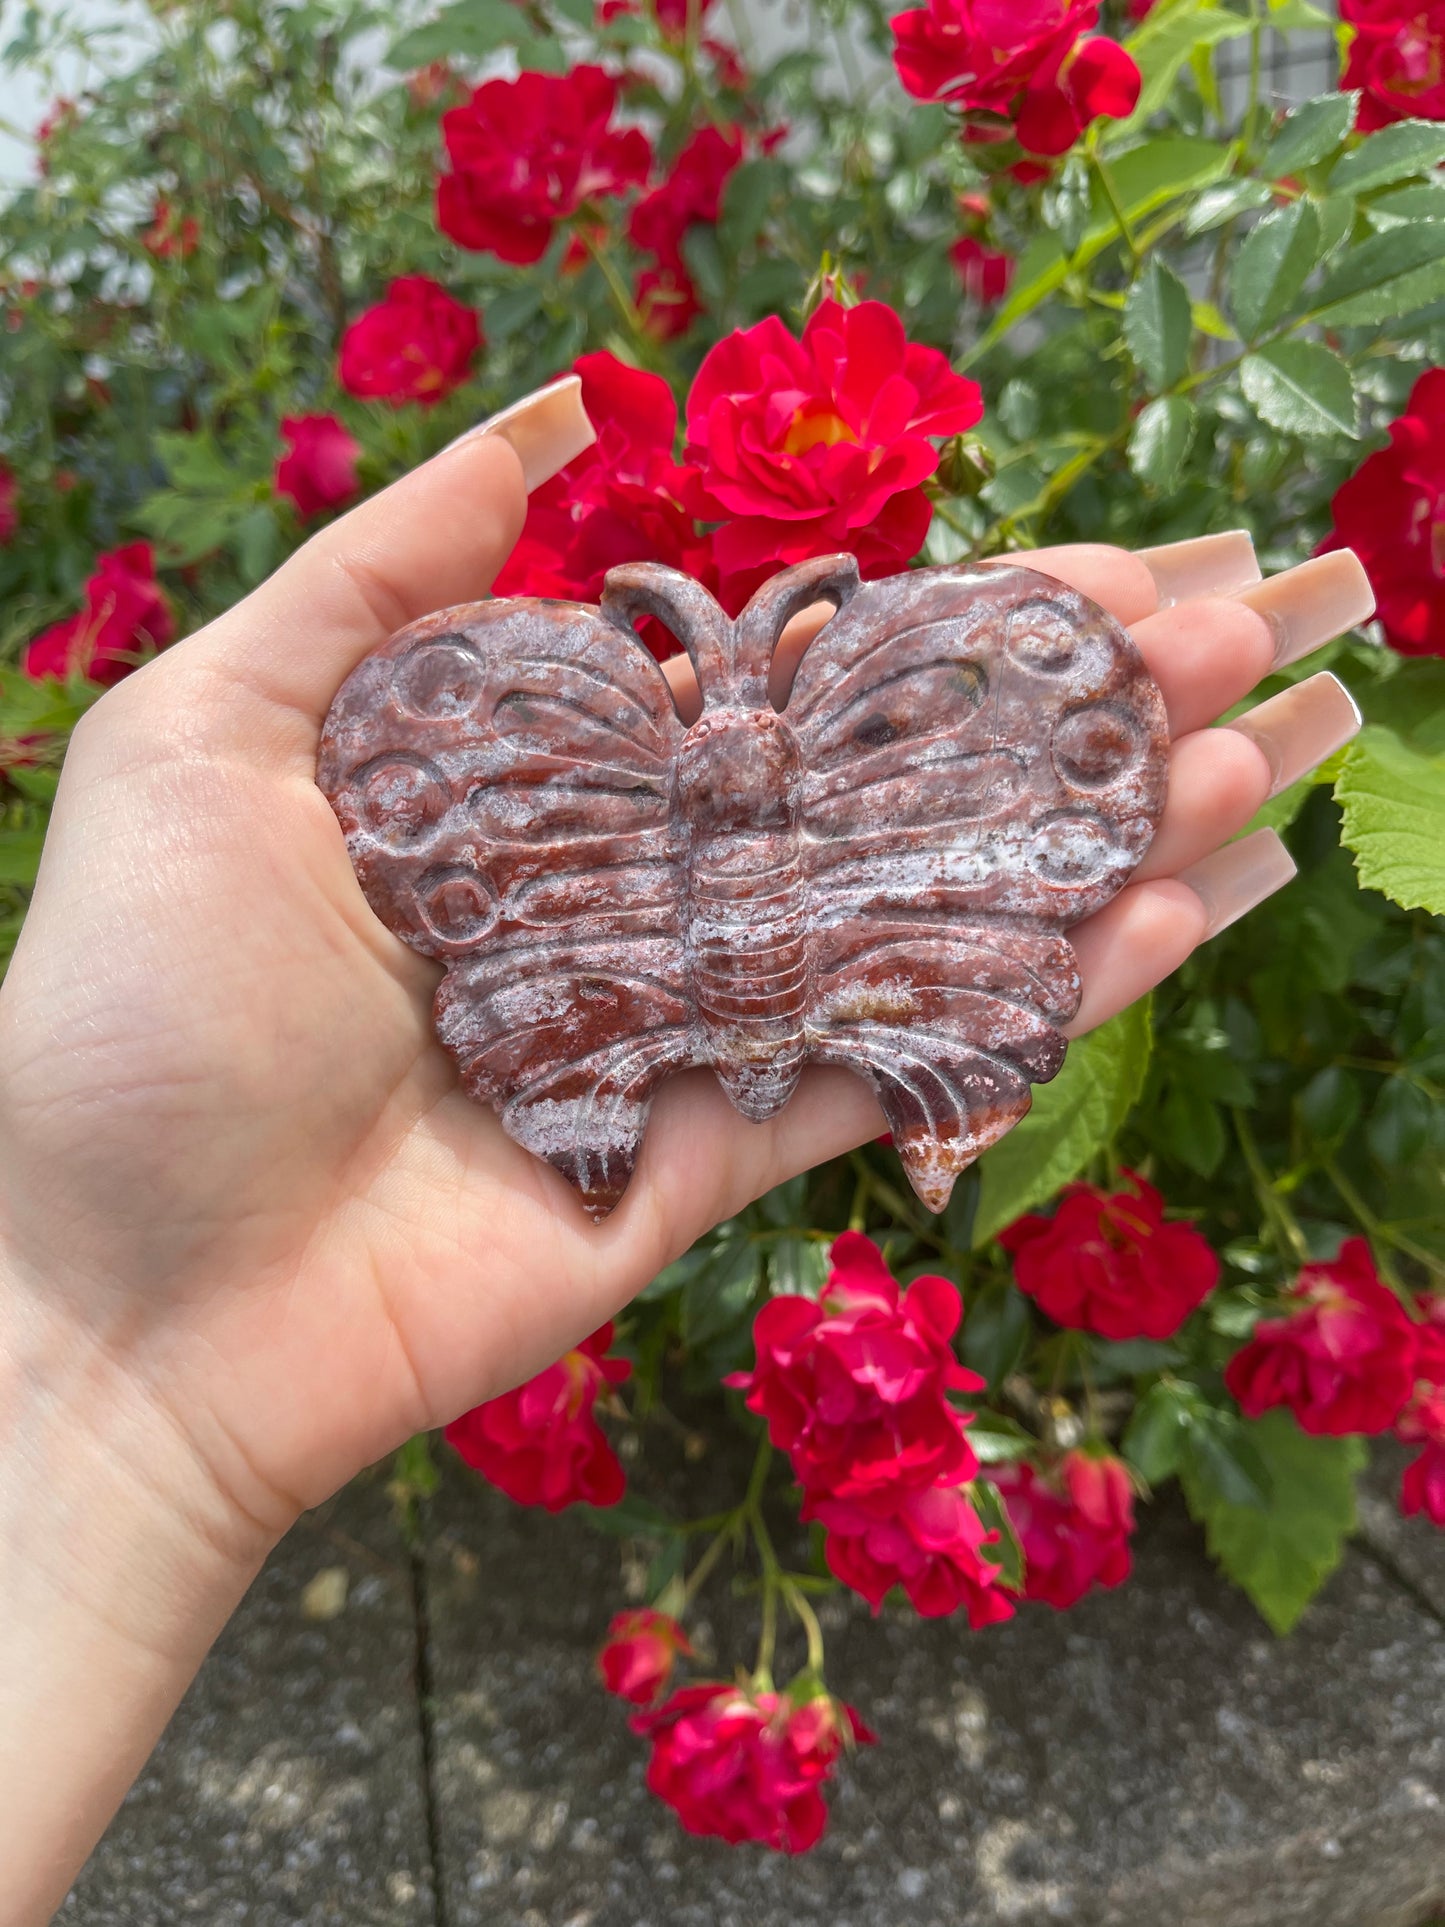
<point>120,1561</point>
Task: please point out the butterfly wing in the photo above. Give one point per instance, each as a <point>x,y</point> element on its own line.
<point>502,775</point>
<point>985,756</point>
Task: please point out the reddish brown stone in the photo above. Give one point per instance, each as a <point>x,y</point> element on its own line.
<point>971,760</point>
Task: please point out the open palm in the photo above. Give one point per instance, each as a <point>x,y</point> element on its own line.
<point>237,1166</point>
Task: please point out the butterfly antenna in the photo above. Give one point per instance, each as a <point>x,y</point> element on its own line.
<point>636,589</point>
<point>826,578</point>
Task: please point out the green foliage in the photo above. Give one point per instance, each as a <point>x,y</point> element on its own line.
<point>1211,322</point>
<point>1071,1119</point>
<point>1283,1548</point>
<point>1393,803</point>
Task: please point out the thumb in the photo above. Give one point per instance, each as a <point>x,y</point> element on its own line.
<point>436,537</point>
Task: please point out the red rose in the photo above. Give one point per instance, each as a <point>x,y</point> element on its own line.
<point>673,16</point>
<point>1422,1484</point>
<point>541,1443</point>
<point>985,272</point>
<point>1028,60</point>
<point>667,302</point>
<point>691,192</point>
<point>641,1649</point>
<point>747,1766</point>
<point>619,501</point>
<point>1343,1360</point>
<point>1396,59</point>
<point>1073,1524</point>
<point>804,447</point>
<point>1110,1264</point>
<point>527,153</point>
<point>930,1543</point>
<point>854,1386</point>
<point>1430,1339</point>
<point>319,471</point>
<point>125,614</point>
<point>1392,513</point>
<point>170,235</point>
<point>9,497</point>
<point>416,345</point>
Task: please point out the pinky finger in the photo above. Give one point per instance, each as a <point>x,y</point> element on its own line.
<point>1150,928</point>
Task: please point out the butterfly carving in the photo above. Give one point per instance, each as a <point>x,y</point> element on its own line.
<point>970,760</point>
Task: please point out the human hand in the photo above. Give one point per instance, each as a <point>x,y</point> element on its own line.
<point>237,1167</point>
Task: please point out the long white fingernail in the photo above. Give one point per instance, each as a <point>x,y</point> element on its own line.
<point>1312,602</point>
<point>1238,877</point>
<point>1203,565</point>
<point>1300,727</point>
<point>548,429</point>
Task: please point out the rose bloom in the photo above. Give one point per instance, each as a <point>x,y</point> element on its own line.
<point>1392,512</point>
<point>541,1443</point>
<point>741,1766</point>
<point>806,447</point>
<point>1110,1264</point>
<point>667,302</point>
<point>930,1543</point>
<point>985,272</point>
<point>9,512</point>
<point>1397,60</point>
<point>416,345</point>
<point>692,191</point>
<point>170,235</point>
<point>639,1653</point>
<point>527,153</point>
<point>672,15</point>
<point>619,501</point>
<point>319,470</point>
<point>1342,1360</point>
<point>1430,1338</point>
<point>854,1386</point>
<point>1031,61</point>
<point>125,615</point>
<point>1073,1524</point>
<point>1422,1484</point>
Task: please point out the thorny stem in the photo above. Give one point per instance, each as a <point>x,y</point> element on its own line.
<point>1380,1234</point>
<point>1282,1221</point>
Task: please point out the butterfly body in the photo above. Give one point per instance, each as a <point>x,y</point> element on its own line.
<point>878,876</point>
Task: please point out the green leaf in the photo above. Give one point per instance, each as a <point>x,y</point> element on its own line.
<point>1395,153</point>
<point>1145,179</point>
<point>1272,266</point>
<point>1158,325</point>
<point>745,201</point>
<point>1301,387</point>
<point>20,855</point>
<point>1282,1552</point>
<point>1411,703</point>
<point>798,1266</point>
<point>1154,1437</point>
<point>1386,278</point>
<point>998,1440</point>
<point>1220,1463</point>
<point>1007,1551</point>
<point>1163,45</point>
<point>1309,132</point>
<point>1424,201</point>
<point>996,1331</point>
<point>1401,1122</point>
<point>1071,1118</point>
<point>1329,1105</point>
<point>1160,440</point>
<point>631,1517</point>
<point>1393,803</point>
<point>718,1295</point>
<point>469,30</point>
<point>1216,205</point>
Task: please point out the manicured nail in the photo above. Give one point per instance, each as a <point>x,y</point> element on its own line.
<point>548,429</point>
<point>1204,565</point>
<point>1300,727</point>
<point>1313,603</point>
<point>1239,876</point>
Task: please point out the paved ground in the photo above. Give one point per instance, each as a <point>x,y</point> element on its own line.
<point>436,1754</point>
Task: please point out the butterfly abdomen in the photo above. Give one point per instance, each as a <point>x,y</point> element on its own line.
<point>738,805</point>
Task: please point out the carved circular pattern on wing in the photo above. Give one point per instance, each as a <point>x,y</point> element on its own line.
<point>439,679</point>
<point>458,906</point>
<point>398,799</point>
<point>1072,848</point>
<point>1096,744</point>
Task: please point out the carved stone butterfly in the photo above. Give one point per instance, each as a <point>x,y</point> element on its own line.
<point>970,760</point>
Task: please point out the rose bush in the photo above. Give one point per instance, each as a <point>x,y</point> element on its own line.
<point>1026,280</point>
